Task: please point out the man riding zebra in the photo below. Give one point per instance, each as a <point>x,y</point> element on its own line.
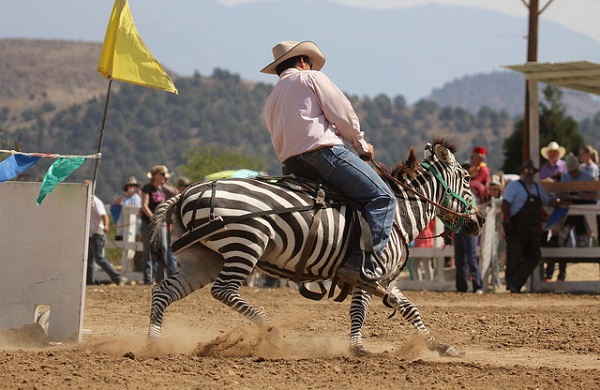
<point>309,119</point>
<point>224,229</point>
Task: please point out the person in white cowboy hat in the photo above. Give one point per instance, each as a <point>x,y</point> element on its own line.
<point>309,119</point>
<point>555,166</point>
<point>153,194</point>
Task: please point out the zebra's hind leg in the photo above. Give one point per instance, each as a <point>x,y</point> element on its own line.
<point>397,300</point>
<point>358,312</point>
<point>228,292</point>
<point>226,289</point>
<point>198,266</point>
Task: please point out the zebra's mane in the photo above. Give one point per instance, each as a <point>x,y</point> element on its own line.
<point>445,143</point>
<point>411,166</point>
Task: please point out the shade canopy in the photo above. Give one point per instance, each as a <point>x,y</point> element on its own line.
<point>582,76</point>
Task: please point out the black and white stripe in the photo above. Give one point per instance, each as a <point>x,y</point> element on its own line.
<point>244,225</point>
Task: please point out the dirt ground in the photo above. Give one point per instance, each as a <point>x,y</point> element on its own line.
<point>520,341</point>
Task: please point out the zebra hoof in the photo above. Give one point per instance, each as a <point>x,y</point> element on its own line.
<point>360,351</point>
<point>448,351</point>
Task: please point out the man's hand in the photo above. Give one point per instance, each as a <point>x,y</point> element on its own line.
<point>369,155</point>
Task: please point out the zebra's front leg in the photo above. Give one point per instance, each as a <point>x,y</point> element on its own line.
<point>397,300</point>
<point>358,312</point>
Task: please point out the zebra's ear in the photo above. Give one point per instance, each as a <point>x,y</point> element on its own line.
<point>445,155</point>
<point>411,160</point>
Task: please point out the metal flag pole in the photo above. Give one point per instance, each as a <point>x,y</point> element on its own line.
<point>101,139</point>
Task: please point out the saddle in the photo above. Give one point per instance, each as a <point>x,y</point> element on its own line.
<point>324,196</point>
<point>317,188</point>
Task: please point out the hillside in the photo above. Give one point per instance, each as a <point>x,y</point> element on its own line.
<point>506,91</point>
<point>55,73</point>
<point>53,100</point>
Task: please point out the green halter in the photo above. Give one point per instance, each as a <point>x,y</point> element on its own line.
<point>457,226</point>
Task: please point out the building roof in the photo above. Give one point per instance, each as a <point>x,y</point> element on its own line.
<point>578,75</point>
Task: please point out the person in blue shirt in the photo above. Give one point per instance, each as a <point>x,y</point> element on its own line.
<point>129,197</point>
<point>578,228</point>
<point>521,218</point>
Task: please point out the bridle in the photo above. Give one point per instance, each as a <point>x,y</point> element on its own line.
<point>456,225</point>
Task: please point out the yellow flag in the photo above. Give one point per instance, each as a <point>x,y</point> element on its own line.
<point>124,56</point>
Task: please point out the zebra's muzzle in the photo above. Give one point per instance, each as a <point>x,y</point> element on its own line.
<point>474,224</point>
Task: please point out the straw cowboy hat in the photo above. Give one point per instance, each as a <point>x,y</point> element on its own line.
<point>288,49</point>
<point>158,169</point>
<point>553,146</point>
<point>131,181</point>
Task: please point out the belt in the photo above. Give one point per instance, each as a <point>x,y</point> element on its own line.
<point>307,153</point>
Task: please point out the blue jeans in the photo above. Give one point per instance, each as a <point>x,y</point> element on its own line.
<point>96,256</point>
<point>171,259</point>
<point>465,256</point>
<point>152,269</point>
<point>355,178</point>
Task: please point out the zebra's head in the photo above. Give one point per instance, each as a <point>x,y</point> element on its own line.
<point>443,182</point>
<point>459,212</point>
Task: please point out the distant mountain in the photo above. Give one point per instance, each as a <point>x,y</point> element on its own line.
<point>401,51</point>
<point>506,91</point>
<point>54,74</point>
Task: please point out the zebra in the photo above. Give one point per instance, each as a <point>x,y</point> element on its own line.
<point>222,230</point>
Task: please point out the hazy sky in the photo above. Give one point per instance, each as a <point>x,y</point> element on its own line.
<point>161,22</point>
<point>578,15</point>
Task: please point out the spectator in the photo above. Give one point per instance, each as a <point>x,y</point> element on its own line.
<point>493,244</point>
<point>589,160</point>
<point>421,268</point>
<point>466,261</point>
<point>521,217</point>
<point>183,183</point>
<point>129,197</point>
<point>478,168</point>
<point>97,238</point>
<point>576,224</point>
<point>153,194</point>
<point>552,170</point>
<point>555,166</point>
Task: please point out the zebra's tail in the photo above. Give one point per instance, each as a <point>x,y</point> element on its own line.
<point>156,239</point>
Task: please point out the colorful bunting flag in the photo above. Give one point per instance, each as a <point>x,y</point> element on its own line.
<point>58,172</point>
<point>124,55</point>
<point>16,164</point>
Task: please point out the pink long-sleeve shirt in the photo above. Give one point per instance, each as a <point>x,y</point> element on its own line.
<point>306,111</point>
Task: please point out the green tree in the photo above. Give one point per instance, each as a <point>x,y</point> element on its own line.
<point>554,125</point>
<point>204,160</point>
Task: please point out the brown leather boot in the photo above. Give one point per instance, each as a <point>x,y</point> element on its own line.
<point>352,276</point>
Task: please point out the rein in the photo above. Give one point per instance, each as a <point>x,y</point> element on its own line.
<point>449,194</point>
